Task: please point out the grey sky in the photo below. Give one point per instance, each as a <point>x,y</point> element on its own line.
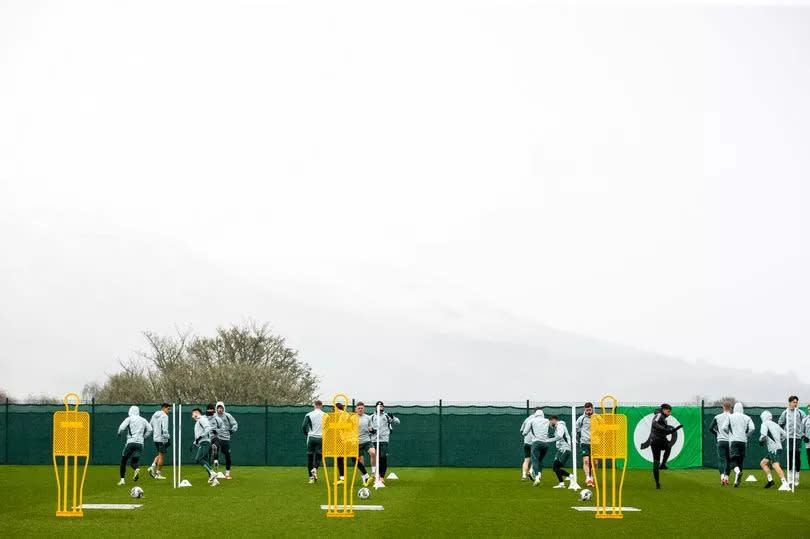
<point>633,174</point>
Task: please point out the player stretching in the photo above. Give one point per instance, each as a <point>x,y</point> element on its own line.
<point>584,439</point>
<point>792,422</point>
<point>771,437</point>
<point>563,450</point>
<point>382,432</point>
<point>313,429</point>
<point>202,443</point>
<point>364,439</point>
<point>741,426</point>
<point>721,430</point>
<point>538,426</point>
<point>161,437</point>
<point>227,426</point>
<point>527,448</point>
<point>137,428</point>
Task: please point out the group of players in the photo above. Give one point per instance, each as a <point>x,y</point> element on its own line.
<point>374,432</point>
<point>733,429</point>
<point>212,437</point>
<point>540,434</point>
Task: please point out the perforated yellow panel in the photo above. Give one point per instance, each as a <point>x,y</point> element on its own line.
<point>71,434</point>
<point>341,432</point>
<point>609,436</point>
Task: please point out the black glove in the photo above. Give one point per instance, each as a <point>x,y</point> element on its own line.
<point>197,441</point>
<point>679,427</point>
<point>805,439</point>
<point>390,417</point>
<point>762,442</point>
<point>192,447</point>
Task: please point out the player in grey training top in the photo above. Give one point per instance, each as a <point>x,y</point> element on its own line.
<point>161,437</point>
<point>538,426</point>
<point>313,429</point>
<point>136,428</point>
<point>720,428</point>
<point>806,437</point>
<point>364,440</point>
<point>382,432</point>
<point>792,422</point>
<point>202,443</point>
<point>527,448</point>
<point>583,425</point>
<point>771,437</point>
<point>226,426</point>
<point>563,442</point>
<point>740,428</point>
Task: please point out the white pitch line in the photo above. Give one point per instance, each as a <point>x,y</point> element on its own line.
<point>111,505</point>
<point>591,508</point>
<point>358,507</point>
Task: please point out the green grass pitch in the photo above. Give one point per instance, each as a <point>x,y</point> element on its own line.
<point>437,502</point>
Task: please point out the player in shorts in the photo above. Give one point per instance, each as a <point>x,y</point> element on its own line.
<point>313,429</point>
<point>162,439</point>
<point>527,449</point>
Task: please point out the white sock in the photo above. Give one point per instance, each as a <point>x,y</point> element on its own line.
<point>737,470</point>
<point>227,473</point>
<point>770,477</point>
<point>784,479</point>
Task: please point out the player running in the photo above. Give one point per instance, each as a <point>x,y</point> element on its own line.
<point>226,426</point>
<point>538,426</point>
<point>806,437</point>
<point>792,422</point>
<point>137,428</point>
<point>202,444</point>
<point>721,431</point>
<point>771,437</point>
<point>527,449</point>
<point>740,426</point>
<point>161,437</point>
<point>313,430</point>
<point>563,440</point>
<point>382,431</point>
<point>584,439</point>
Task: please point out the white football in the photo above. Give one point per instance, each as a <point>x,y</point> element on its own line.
<point>136,492</point>
<point>585,495</point>
<point>363,493</point>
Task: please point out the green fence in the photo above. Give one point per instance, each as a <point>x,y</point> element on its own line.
<point>437,435</point>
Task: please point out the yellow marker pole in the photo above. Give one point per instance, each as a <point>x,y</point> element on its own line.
<point>340,441</point>
<point>71,438</point>
<point>609,443</point>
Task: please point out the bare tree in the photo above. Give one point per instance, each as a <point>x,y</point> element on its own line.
<point>241,364</point>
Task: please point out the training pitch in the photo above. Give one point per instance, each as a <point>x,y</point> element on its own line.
<point>445,502</point>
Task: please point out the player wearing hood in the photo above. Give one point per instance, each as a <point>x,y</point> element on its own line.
<point>136,428</point>
<point>721,431</point>
<point>538,426</point>
<point>771,437</point>
<point>740,428</point>
<point>226,426</point>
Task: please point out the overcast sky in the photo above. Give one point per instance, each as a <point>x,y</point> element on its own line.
<point>634,174</point>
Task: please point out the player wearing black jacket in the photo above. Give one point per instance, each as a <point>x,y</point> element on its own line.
<point>658,441</point>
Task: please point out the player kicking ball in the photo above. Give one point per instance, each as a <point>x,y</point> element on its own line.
<point>137,428</point>
<point>202,444</point>
<point>584,439</point>
<point>563,440</point>
<point>771,437</point>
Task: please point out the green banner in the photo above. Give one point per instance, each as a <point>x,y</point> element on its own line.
<point>686,443</point>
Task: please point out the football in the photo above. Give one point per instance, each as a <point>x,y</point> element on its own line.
<point>136,492</point>
<point>585,495</point>
<point>363,493</point>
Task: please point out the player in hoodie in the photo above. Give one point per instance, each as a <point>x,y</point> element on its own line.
<point>161,437</point>
<point>583,432</point>
<point>771,437</point>
<point>740,428</point>
<point>202,444</point>
<point>226,426</point>
<point>721,430</point>
<point>538,427</point>
<point>137,428</point>
<point>313,430</point>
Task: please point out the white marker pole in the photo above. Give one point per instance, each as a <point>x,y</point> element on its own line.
<point>573,485</point>
<point>179,442</point>
<point>793,453</point>
<point>377,454</point>
<point>174,446</point>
